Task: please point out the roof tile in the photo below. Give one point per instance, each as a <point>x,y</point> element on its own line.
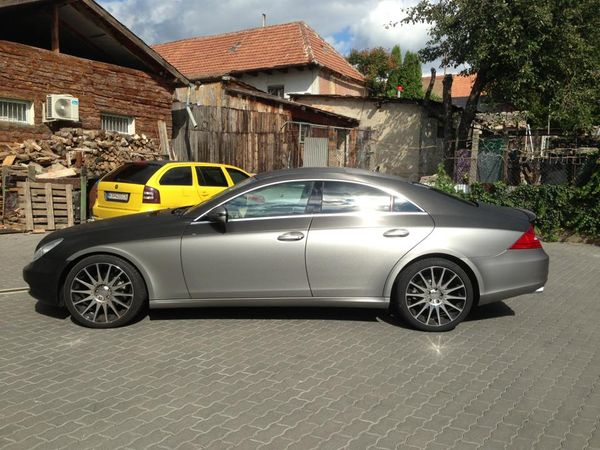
<point>276,46</point>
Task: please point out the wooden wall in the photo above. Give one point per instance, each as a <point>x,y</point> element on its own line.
<point>256,141</point>
<point>29,73</point>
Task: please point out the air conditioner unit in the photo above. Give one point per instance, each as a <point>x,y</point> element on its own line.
<point>62,107</point>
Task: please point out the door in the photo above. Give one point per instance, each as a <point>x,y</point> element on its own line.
<point>177,188</point>
<point>259,254</point>
<point>316,152</point>
<point>357,239</point>
<point>211,181</point>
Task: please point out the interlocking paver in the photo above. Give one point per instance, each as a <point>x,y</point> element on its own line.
<point>519,374</point>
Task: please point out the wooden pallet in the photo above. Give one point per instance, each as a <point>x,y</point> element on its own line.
<point>47,206</point>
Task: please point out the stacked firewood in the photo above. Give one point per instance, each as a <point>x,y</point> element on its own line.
<point>66,151</point>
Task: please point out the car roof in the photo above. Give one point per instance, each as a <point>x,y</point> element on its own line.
<point>345,173</point>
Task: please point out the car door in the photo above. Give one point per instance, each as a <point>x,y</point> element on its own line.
<point>259,253</point>
<point>358,237</point>
<point>211,181</point>
<point>177,187</point>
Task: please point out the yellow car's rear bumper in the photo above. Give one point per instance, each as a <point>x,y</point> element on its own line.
<point>102,212</point>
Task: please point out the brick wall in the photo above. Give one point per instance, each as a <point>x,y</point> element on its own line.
<point>28,73</point>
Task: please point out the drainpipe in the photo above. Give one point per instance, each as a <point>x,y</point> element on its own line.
<point>188,109</point>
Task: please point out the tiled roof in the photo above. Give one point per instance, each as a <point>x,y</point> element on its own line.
<point>461,85</point>
<point>276,46</point>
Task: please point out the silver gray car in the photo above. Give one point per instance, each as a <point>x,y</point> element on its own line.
<point>302,237</point>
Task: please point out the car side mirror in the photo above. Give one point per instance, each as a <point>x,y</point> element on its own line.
<point>219,216</point>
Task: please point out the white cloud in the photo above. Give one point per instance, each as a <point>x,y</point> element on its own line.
<point>346,24</point>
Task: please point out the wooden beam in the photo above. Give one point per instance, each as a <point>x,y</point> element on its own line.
<point>55,29</point>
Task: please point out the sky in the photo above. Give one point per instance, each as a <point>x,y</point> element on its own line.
<point>346,24</point>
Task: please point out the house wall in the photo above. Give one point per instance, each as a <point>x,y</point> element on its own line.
<point>294,81</point>
<point>29,73</point>
<point>403,137</point>
<point>330,84</point>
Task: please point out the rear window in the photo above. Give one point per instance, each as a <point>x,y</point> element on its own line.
<point>134,173</point>
<point>236,175</point>
<point>446,194</point>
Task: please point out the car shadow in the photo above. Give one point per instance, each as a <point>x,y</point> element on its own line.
<point>491,311</point>
<point>268,313</point>
<point>51,311</point>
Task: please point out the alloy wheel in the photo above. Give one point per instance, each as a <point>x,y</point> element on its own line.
<point>436,296</point>
<point>101,292</point>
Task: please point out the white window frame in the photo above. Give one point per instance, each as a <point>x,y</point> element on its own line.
<point>130,122</point>
<point>29,111</point>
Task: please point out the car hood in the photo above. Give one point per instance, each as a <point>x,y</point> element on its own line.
<point>125,228</point>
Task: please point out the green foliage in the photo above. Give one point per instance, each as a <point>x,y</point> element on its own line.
<point>384,71</point>
<point>375,64</point>
<point>413,86</point>
<point>560,209</point>
<point>541,56</point>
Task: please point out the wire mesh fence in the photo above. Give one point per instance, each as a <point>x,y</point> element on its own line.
<point>502,160</point>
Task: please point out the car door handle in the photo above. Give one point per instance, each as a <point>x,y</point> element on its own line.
<point>396,232</point>
<point>291,236</point>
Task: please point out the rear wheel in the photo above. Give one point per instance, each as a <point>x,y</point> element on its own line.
<point>103,291</point>
<point>434,294</point>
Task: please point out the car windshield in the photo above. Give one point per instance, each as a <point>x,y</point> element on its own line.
<point>195,210</point>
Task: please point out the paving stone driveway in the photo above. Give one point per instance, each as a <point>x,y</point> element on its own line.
<point>520,374</point>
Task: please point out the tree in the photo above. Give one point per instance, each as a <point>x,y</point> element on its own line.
<point>395,78</point>
<point>375,65</point>
<point>412,84</point>
<point>541,56</point>
<point>384,71</point>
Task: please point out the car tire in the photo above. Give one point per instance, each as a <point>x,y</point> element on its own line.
<point>104,291</point>
<point>433,294</point>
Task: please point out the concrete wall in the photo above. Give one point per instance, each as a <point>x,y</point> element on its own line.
<point>29,73</point>
<point>403,138</point>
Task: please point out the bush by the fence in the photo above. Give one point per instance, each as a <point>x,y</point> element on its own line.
<point>561,209</point>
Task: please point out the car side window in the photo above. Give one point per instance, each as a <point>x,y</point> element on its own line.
<point>342,197</point>
<point>236,175</point>
<point>403,205</point>
<point>284,199</point>
<point>177,176</point>
<point>211,176</point>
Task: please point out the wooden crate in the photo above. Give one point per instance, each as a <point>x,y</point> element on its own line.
<point>46,206</point>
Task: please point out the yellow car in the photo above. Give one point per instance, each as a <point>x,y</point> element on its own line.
<point>150,185</point>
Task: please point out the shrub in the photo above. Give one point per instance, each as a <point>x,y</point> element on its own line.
<point>560,209</point>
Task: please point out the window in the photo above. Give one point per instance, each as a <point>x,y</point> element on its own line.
<point>16,111</point>
<point>134,173</point>
<point>236,175</point>
<point>177,176</point>
<point>402,204</point>
<point>276,89</point>
<point>340,197</point>
<point>118,124</point>
<point>211,176</point>
<point>284,199</point>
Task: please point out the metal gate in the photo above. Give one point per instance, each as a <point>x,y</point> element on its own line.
<point>316,152</point>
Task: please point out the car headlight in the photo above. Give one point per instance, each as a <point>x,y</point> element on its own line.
<point>46,248</point>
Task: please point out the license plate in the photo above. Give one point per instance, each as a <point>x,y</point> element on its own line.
<point>116,197</point>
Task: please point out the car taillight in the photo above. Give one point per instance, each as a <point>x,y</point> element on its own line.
<point>527,241</point>
<point>151,195</point>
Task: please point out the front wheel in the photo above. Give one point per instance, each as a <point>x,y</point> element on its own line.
<point>434,294</point>
<point>103,291</point>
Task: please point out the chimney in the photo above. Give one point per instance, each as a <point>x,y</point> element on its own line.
<point>264,20</point>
